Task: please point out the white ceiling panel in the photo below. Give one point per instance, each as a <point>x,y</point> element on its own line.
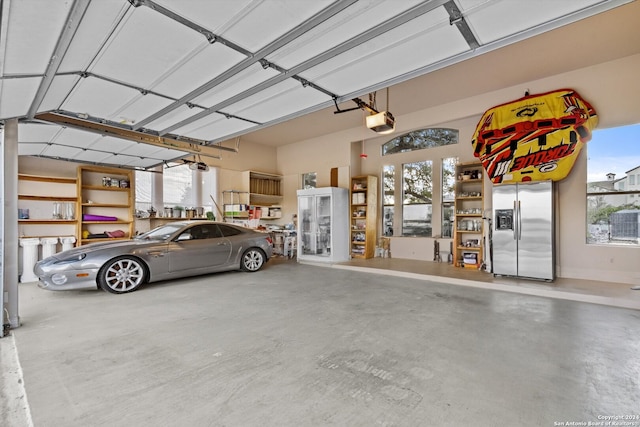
<point>91,156</point>
<point>167,154</point>
<point>145,47</point>
<point>58,91</point>
<point>207,63</point>
<point>213,15</point>
<point>356,19</point>
<point>75,138</point>
<point>31,148</point>
<point>62,152</point>
<point>493,21</point>
<point>98,23</point>
<point>385,56</point>
<point>278,101</point>
<point>110,144</point>
<point>98,97</point>
<point>242,81</point>
<point>138,108</point>
<point>140,149</point>
<point>31,37</point>
<point>177,115</point>
<point>16,96</point>
<point>261,22</point>
<point>208,128</point>
<point>37,132</point>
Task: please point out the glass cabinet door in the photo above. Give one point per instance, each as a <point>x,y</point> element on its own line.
<point>315,225</point>
<point>323,206</point>
<point>307,224</point>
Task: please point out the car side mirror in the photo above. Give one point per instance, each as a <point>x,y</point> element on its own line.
<point>184,236</point>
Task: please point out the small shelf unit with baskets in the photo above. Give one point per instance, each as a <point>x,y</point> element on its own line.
<point>105,204</point>
<point>469,208</point>
<point>363,216</point>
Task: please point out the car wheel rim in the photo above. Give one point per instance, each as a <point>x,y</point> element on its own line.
<point>124,275</point>
<point>253,260</point>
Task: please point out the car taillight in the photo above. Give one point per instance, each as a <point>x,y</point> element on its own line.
<point>270,241</point>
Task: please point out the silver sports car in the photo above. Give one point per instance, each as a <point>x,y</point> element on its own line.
<point>179,249</point>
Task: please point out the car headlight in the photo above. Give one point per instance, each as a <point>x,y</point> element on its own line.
<point>70,259</point>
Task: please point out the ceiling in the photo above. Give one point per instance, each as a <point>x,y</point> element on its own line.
<point>140,83</point>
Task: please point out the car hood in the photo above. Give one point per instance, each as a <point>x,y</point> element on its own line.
<point>98,246</point>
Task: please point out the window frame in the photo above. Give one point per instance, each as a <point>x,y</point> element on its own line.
<point>429,214</point>
<point>447,217</point>
<point>388,223</point>
<point>605,198</point>
<point>420,139</point>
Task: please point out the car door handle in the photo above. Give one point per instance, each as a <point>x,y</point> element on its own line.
<point>222,244</point>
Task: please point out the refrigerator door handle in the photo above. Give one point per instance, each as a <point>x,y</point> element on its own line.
<point>519,220</point>
<point>515,222</point>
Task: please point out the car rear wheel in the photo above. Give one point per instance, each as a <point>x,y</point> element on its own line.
<point>121,275</point>
<point>252,260</point>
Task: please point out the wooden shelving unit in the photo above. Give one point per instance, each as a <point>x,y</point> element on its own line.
<point>34,195</point>
<point>259,194</point>
<point>265,193</point>
<point>469,207</point>
<point>363,213</point>
<point>106,192</point>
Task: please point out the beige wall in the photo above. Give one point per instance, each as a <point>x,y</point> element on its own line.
<point>613,89</point>
<point>249,157</point>
<point>47,167</point>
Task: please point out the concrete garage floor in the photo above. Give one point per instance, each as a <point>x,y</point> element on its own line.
<point>305,345</point>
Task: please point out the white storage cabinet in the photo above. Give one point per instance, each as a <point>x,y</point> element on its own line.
<point>323,224</point>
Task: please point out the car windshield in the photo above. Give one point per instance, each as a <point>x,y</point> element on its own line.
<point>161,233</point>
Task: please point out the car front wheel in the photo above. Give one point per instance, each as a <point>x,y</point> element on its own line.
<point>252,260</point>
<point>121,275</point>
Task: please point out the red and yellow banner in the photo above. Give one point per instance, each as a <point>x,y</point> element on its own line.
<point>535,138</point>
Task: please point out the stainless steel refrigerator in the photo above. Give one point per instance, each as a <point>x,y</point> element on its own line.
<point>523,230</point>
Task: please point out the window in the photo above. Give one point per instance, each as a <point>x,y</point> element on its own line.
<point>416,204</point>
<point>229,231</point>
<point>388,198</point>
<point>309,180</point>
<point>613,208</point>
<point>420,139</point>
<point>143,189</point>
<point>205,231</point>
<point>177,188</point>
<point>448,195</point>
<point>176,184</point>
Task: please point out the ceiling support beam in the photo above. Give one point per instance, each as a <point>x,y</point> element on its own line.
<point>335,8</point>
<point>112,129</point>
<point>78,9</point>
<point>456,18</point>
